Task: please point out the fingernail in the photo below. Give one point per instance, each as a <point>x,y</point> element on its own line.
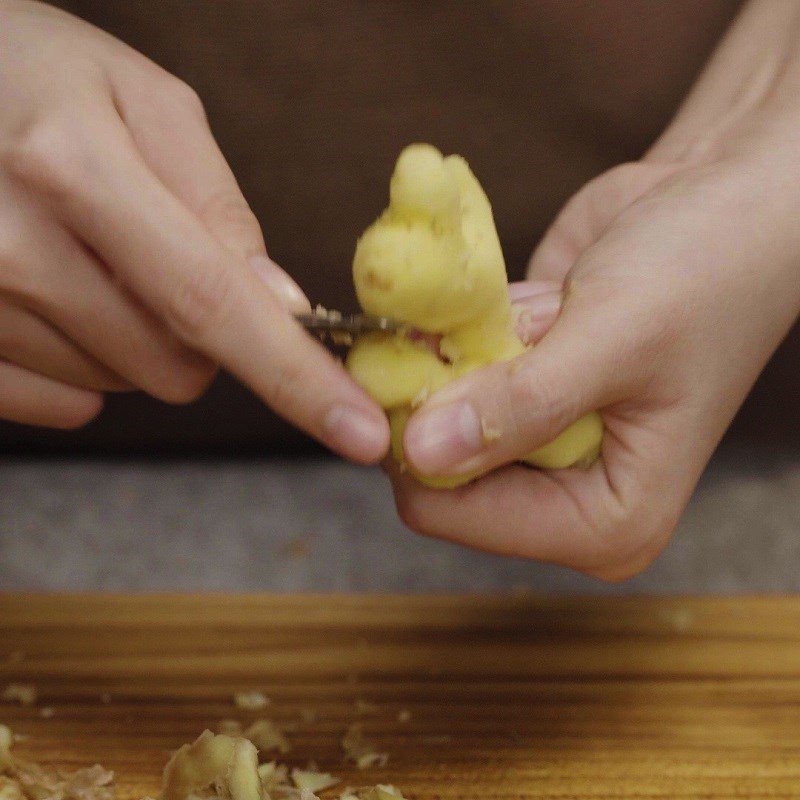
<point>524,290</point>
<point>355,431</point>
<point>534,316</point>
<point>443,437</point>
<point>280,284</point>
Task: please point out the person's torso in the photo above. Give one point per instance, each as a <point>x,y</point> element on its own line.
<point>311,102</point>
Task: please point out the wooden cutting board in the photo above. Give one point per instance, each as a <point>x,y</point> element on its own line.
<point>505,697</point>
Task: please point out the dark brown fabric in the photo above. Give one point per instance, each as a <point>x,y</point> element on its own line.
<point>311,102</point>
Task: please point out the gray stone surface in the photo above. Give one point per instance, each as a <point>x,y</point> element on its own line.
<point>294,525</point>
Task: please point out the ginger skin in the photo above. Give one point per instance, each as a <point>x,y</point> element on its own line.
<point>433,261</point>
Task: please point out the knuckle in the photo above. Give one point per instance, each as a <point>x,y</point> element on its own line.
<point>599,198</point>
<point>48,157</point>
<point>200,301</point>
<point>533,397</point>
<point>228,210</point>
<point>288,382</point>
<point>606,192</point>
<point>621,173</point>
<point>184,95</point>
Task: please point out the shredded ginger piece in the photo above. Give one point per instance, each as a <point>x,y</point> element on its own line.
<point>679,619</point>
<point>213,767</point>
<point>263,733</point>
<point>266,736</point>
<point>10,790</point>
<point>90,783</point>
<point>273,776</point>
<point>22,693</point>
<point>20,780</point>
<point>223,763</point>
<point>361,751</point>
<point>250,701</point>
<point>313,781</point>
<point>230,727</point>
<point>383,791</point>
<point>489,433</point>
<point>6,740</point>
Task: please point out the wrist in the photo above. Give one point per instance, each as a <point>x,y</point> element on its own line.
<point>748,94</point>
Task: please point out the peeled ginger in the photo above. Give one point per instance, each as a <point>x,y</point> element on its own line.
<point>432,261</point>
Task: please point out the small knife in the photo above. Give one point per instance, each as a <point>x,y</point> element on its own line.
<point>326,322</point>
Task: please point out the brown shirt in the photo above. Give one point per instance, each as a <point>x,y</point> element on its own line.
<point>311,101</point>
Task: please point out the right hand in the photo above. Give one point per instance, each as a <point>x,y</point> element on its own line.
<point>128,255</point>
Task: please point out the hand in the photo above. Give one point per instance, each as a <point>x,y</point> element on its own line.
<point>680,277</point>
<point>128,256</point>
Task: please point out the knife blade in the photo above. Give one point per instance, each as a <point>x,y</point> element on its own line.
<point>324,322</point>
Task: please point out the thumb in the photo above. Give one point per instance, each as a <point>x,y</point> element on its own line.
<point>501,413</point>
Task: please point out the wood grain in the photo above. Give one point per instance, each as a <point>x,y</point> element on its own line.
<point>514,697</point>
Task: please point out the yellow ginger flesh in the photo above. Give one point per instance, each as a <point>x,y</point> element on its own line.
<point>433,262</point>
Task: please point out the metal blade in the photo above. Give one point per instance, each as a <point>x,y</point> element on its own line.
<point>325,321</point>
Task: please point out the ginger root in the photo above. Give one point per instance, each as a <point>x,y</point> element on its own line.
<point>225,764</point>
<point>24,780</point>
<point>433,261</point>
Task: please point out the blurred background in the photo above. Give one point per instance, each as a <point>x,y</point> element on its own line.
<point>311,102</point>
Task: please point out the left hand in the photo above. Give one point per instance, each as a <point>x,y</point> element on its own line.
<point>681,276</point>
<point>680,280</point>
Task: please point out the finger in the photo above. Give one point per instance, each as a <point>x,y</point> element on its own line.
<point>172,134</point>
<point>33,399</point>
<point>502,413</point>
<point>587,215</point>
<point>100,316</point>
<point>202,291</point>
<point>54,276</point>
<point>535,307</point>
<point>30,342</point>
